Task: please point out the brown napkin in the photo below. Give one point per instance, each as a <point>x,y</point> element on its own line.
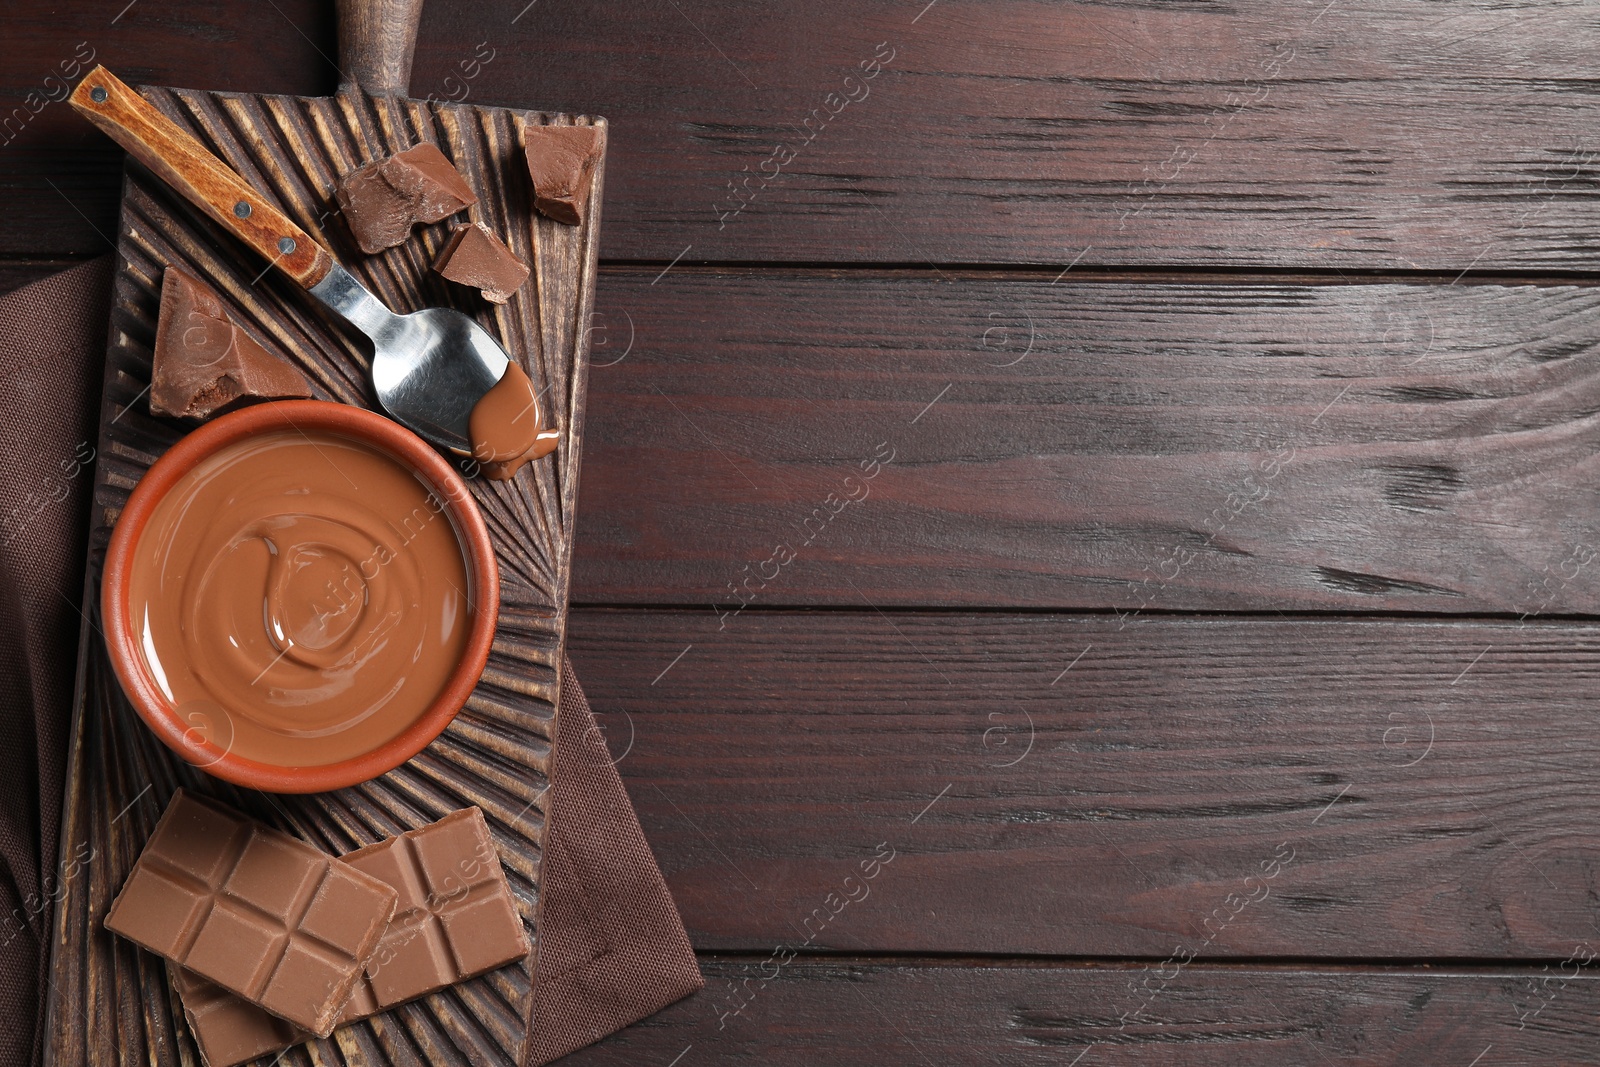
<point>612,948</point>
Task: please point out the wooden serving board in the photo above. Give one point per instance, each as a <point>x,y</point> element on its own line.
<point>108,1001</point>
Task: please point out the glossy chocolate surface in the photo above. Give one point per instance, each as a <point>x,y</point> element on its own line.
<point>505,426</point>
<point>300,598</point>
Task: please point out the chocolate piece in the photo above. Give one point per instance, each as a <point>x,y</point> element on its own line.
<point>504,425</point>
<point>229,1031</point>
<point>383,200</point>
<point>204,361</point>
<point>455,919</point>
<point>478,258</point>
<point>429,181</point>
<point>561,161</point>
<point>254,910</point>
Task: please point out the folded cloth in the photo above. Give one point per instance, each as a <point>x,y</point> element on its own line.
<point>611,947</point>
<point>52,346</point>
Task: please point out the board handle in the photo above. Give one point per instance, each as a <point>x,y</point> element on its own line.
<point>377,39</point>
<point>203,179</point>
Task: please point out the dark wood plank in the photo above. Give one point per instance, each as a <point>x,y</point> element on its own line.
<point>1112,445</point>
<point>1441,440</point>
<point>1107,445</point>
<point>67,173</point>
<point>1419,787</point>
<point>862,1013</point>
<point>1372,134</point>
<point>15,273</point>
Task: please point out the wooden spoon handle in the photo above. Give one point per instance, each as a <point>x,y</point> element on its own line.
<point>183,163</point>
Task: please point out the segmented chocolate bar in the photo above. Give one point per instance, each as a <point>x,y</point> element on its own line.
<point>454,919</point>
<point>254,910</point>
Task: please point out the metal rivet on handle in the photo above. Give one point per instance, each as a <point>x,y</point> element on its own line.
<point>242,209</point>
<point>286,245</point>
<point>98,94</point>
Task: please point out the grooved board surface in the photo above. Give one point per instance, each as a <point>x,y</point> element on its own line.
<point>107,998</point>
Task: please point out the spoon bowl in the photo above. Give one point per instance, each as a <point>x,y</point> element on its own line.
<point>429,368</point>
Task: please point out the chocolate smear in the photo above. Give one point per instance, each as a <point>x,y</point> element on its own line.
<point>505,426</point>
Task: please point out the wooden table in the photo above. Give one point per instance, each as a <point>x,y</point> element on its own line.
<point>1203,673</point>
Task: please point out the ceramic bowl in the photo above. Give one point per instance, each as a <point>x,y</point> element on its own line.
<point>364,427</point>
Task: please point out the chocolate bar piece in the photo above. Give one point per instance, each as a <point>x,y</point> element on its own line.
<point>561,161</point>
<point>204,361</point>
<point>254,910</point>
<point>383,200</point>
<point>229,1031</point>
<point>455,919</point>
<point>478,258</point>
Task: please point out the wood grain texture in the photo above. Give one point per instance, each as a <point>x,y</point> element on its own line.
<point>1057,785</point>
<point>1372,134</point>
<point>377,40</point>
<point>108,999</point>
<point>15,273</point>
<point>1384,134</point>
<point>864,1013</point>
<point>1113,445</point>
<point>1441,464</point>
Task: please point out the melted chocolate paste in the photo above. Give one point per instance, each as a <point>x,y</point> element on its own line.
<point>301,598</point>
<point>505,426</point>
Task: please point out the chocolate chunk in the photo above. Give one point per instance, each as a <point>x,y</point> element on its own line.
<point>455,919</point>
<point>561,161</point>
<point>478,258</point>
<point>378,216</point>
<point>204,361</point>
<point>260,913</point>
<point>429,181</point>
<point>383,200</point>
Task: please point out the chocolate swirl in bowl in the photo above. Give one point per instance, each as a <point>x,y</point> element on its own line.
<point>301,598</point>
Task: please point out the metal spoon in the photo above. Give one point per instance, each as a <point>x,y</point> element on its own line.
<point>429,368</point>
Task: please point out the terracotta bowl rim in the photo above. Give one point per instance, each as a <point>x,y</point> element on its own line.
<point>387,437</point>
